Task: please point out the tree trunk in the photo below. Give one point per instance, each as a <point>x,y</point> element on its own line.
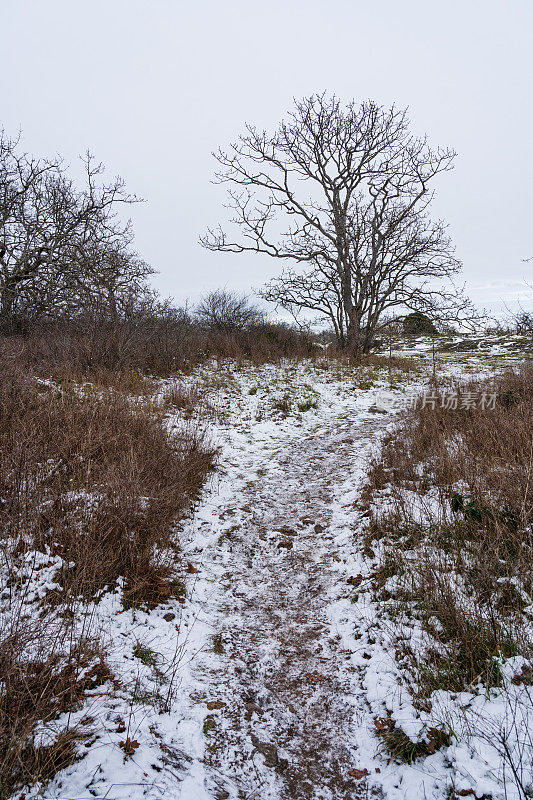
<point>7,301</point>
<point>353,338</point>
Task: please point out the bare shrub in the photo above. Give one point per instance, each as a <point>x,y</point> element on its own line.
<point>109,354</point>
<point>224,310</point>
<point>48,663</point>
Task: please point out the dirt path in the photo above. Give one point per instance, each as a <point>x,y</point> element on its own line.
<point>286,729</point>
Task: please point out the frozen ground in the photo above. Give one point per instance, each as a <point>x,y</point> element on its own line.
<point>268,681</point>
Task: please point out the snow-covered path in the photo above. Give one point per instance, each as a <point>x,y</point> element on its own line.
<point>287,728</point>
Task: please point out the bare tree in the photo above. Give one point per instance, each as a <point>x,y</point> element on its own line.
<point>59,245</point>
<point>225,311</point>
<point>517,320</point>
<point>524,322</point>
<point>112,283</point>
<point>343,194</point>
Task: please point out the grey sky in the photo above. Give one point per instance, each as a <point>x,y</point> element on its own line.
<point>152,87</point>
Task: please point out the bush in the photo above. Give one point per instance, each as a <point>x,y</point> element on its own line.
<point>225,311</point>
<point>418,324</point>
<point>106,478</point>
<point>115,353</point>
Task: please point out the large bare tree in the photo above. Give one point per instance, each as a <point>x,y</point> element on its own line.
<point>342,194</point>
<point>62,249</point>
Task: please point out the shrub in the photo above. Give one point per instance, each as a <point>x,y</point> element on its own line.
<point>120,354</point>
<point>418,324</point>
<point>107,479</point>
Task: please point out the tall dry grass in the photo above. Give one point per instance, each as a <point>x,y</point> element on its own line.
<point>91,483</point>
<point>460,556</point>
<point>100,351</point>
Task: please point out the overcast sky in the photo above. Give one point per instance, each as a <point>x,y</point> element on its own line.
<point>152,87</point>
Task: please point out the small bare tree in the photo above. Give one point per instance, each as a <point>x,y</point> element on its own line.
<point>343,194</point>
<point>524,322</point>
<point>225,311</point>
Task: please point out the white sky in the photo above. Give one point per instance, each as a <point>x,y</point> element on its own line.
<point>152,87</point>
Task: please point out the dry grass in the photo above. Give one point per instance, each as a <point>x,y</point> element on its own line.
<point>121,353</point>
<point>401,747</point>
<point>47,666</point>
<point>94,478</point>
<point>401,364</point>
<point>463,566</point>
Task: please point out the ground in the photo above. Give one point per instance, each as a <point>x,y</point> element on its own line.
<point>267,681</point>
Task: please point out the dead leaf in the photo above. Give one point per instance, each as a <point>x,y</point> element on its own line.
<point>215,704</point>
<point>358,773</point>
<point>355,580</point>
<point>192,569</point>
<point>288,531</point>
<point>129,746</point>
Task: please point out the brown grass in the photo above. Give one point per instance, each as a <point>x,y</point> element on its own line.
<point>477,466</point>
<point>92,476</point>
<point>401,364</point>
<point>121,353</point>
<point>45,671</point>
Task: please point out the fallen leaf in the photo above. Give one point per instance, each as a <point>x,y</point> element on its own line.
<point>287,530</point>
<point>192,569</point>
<point>355,580</point>
<point>214,704</point>
<point>358,773</point>
<point>129,746</point>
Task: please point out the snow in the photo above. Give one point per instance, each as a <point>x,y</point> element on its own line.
<point>300,663</point>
